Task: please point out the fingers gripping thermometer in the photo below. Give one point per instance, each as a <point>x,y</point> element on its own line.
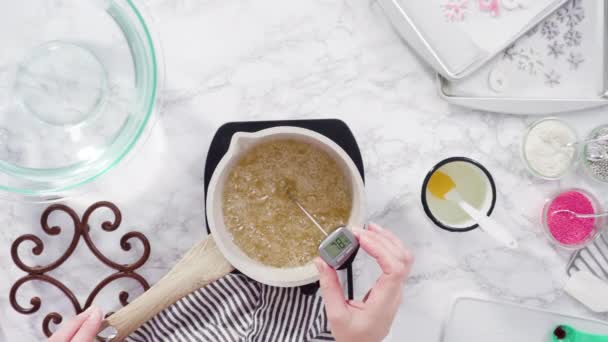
<point>336,248</point>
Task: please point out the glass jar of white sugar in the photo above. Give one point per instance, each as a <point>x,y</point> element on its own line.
<point>549,148</point>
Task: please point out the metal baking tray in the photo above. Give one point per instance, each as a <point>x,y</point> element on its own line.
<point>579,86</point>
<point>456,48</point>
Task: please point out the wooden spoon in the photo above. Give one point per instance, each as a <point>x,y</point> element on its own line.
<point>202,264</point>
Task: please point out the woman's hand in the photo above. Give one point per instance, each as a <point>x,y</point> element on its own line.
<point>82,328</point>
<point>369,320</point>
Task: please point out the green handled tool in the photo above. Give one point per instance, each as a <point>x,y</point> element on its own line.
<point>565,333</point>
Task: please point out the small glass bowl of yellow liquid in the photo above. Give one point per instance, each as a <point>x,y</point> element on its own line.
<point>474,183</point>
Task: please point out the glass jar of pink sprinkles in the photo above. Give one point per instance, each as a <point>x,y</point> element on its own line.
<point>566,229</point>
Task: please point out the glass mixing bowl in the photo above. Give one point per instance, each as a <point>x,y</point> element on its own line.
<point>78,86</point>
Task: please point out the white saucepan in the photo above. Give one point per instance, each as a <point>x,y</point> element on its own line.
<point>217,254</point>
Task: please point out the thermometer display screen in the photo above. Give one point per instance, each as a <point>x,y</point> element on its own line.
<point>337,245</point>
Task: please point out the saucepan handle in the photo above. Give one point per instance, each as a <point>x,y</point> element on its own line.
<point>202,264</point>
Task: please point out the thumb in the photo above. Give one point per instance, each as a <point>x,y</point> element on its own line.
<point>335,304</point>
<point>89,328</point>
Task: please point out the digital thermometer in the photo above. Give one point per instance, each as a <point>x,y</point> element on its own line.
<point>337,247</point>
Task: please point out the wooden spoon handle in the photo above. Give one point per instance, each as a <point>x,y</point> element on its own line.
<point>203,264</point>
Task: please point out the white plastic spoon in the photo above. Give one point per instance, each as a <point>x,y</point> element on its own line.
<point>442,186</point>
<point>583,216</point>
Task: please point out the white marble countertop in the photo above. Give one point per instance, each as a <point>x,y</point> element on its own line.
<point>232,60</point>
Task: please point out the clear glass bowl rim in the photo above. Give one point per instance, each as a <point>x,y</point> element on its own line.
<point>39,181</point>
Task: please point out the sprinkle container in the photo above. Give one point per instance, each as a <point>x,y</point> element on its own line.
<point>565,229</point>
<point>597,169</point>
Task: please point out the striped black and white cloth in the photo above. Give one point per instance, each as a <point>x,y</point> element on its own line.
<point>236,308</point>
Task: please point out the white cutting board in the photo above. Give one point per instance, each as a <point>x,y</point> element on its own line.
<point>473,320</point>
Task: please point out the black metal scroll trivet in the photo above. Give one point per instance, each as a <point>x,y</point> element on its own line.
<point>334,129</point>
<point>81,230</point>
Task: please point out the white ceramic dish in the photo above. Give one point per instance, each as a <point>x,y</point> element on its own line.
<point>240,144</point>
<point>560,66</point>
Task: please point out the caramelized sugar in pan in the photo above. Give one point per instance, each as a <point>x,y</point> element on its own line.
<point>264,222</point>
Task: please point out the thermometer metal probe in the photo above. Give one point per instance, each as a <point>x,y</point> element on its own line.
<point>309,215</point>
<point>336,248</point>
